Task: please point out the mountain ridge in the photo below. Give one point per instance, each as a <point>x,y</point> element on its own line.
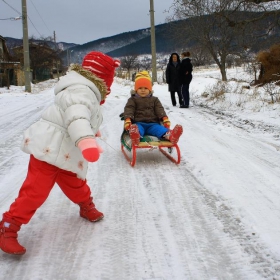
<point>135,42</point>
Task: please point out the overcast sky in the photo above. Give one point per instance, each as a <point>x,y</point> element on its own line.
<point>80,21</point>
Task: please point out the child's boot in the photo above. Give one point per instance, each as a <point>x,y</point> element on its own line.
<point>134,134</point>
<point>174,134</point>
<point>8,237</point>
<point>89,212</point>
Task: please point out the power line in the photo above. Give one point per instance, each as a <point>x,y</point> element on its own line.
<point>20,16</point>
<point>34,26</point>
<point>39,15</point>
<point>12,7</point>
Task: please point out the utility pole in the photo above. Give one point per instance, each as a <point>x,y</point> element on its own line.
<point>25,47</point>
<point>153,42</point>
<point>70,56</point>
<point>57,69</point>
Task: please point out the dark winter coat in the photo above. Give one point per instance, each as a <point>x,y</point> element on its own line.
<point>172,74</point>
<point>186,71</point>
<point>144,109</point>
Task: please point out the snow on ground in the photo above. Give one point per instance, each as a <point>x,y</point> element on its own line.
<point>216,215</point>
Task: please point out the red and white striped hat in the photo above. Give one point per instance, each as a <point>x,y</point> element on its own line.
<point>102,65</point>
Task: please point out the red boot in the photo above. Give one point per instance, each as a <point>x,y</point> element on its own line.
<point>174,134</point>
<point>134,134</point>
<point>89,212</point>
<point>8,237</point>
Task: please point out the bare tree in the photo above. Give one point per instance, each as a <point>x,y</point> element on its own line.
<point>146,63</point>
<point>200,56</point>
<point>161,64</point>
<point>221,27</point>
<point>129,63</point>
<point>138,65</point>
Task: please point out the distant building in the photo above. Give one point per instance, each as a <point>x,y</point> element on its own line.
<point>10,70</point>
<point>44,61</point>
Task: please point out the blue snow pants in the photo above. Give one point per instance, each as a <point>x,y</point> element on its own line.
<point>153,129</point>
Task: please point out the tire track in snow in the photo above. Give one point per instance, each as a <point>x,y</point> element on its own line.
<point>13,123</point>
<point>196,233</point>
<point>160,223</point>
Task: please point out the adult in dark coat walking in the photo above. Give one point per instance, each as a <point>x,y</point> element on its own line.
<point>186,77</point>
<point>173,78</point>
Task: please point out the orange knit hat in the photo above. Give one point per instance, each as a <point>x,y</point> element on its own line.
<point>143,79</point>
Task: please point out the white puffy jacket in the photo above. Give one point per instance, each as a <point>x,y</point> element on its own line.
<point>75,114</point>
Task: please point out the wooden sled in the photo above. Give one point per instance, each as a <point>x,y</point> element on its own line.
<point>165,147</point>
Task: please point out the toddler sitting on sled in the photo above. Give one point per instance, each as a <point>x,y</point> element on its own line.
<point>144,113</point>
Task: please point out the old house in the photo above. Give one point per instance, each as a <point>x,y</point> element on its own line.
<point>10,69</point>
<point>43,60</point>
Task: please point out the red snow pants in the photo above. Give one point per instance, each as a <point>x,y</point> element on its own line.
<point>40,179</point>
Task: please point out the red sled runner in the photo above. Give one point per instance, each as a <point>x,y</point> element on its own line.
<point>149,142</point>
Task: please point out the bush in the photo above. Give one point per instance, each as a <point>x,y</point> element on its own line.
<point>270,65</point>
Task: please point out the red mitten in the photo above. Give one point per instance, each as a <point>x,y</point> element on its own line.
<point>90,149</point>
<point>166,122</point>
<point>127,124</point>
<point>98,134</point>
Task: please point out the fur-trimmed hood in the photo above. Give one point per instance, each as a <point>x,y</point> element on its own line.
<point>85,77</point>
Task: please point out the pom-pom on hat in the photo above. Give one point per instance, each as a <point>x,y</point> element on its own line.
<point>102,65</point>
<point>143,79</point>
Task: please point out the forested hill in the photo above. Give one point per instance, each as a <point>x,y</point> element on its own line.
<point>169,37</point>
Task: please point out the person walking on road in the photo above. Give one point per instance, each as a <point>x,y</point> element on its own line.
<point>186,78</point>
<point>172,74</point>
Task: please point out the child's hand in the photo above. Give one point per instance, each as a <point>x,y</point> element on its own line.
<point>90,149</point>
<point>166,122</point>
<point>127,124</point>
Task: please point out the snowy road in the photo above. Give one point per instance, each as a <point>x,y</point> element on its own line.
<point>214,216</point>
